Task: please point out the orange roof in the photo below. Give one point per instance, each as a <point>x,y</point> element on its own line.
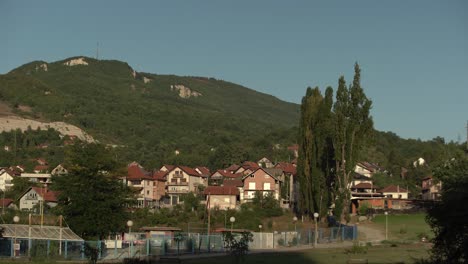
<point>250,165</point>
<point>203,171</point>
<point>160,175</point>
<point>136,171</point>
<point>286,167</point>
<point>393,189</point>
<point>229,174</point>
<point>221,190</point>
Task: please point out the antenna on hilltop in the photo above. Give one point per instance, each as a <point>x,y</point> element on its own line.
<point>97,51</point>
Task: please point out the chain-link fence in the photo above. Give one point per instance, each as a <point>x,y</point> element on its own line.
<point>163,245</point>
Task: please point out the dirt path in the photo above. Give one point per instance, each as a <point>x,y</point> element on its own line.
<point>370,233</point>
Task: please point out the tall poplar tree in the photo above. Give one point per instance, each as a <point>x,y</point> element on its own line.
<point>314,151</point>
<point>331,136</point>
<point>353,126</point>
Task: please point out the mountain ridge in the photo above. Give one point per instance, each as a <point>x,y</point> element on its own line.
<point>115,104</point>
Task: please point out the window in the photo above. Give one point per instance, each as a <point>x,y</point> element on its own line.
<point>251,185</point>
<point>266,186</point>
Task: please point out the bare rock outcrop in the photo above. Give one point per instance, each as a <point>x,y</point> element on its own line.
<point>77,61</point>
<point>8,123</point>
<point>184,92</point>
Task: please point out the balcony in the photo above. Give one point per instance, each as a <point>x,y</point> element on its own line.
<point>180,182</point>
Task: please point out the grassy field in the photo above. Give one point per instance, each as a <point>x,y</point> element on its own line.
<point>404,227</point>
<point>408,253</point>
<point>381,254</point>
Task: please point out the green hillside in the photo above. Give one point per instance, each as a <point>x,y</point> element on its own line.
<point>148,119</point>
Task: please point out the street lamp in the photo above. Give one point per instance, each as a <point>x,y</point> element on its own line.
<point>294,221</point>
<point>260,230</point>
<point>130,224</point>
<point>386,225</point>
<point>316,215</point>
<point>15,220</point>
<point>232,220</point>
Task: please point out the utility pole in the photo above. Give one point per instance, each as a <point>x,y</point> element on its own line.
<point>97,51</point>
<point>467,134</point>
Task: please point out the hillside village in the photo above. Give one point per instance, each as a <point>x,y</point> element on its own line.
<point>225,188</point>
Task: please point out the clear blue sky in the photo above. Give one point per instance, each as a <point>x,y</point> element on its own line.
<point>413,54</point>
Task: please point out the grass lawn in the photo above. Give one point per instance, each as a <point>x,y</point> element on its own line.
<point>404,227</point>
<point>377,254</point>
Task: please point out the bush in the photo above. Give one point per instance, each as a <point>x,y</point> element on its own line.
<point>356,249</point>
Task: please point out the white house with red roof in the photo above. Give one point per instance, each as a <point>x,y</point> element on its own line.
<point>6,179</point>
<point>219,176</point>
<point>34,195</point>
<point>182,180</point>
<point>395,191</point>
<point>222,197</point>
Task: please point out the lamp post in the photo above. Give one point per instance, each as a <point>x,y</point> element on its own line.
<point>130,224</point>
<point>316,215</point>
<point>15,220</point>
<point>232,220</point>
<point>295,221</point>
<point>386,225</point>
<point>260,230</point>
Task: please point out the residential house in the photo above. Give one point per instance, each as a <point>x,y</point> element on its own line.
<point>395,192</point>
<point>290,188</point>
<point>203,171</point>
<point>59,170</point>
<point>6,179</point>
<point>159,188</point>
<point>182,180</point>
<point>364,189</point>
<point>264,181</point>
<point>431,189</point>
<point>7,204</point>
<point>238,184</point>
<point>35,195</point>
<point>142,182</point>
<point>37,177</point>
<point>233,168</point>
<point>222,197</point>
<point>219,176</point>
<point>367,169</point>
<point>265,163</point>
<point>247,168</point>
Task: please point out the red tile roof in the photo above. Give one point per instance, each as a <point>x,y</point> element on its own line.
<point>294,147</point>
<point>286,167</point>
<point>229,174</point>
<point>393,189</point>
<point>160,175</point>
<point>137,172</point>
<point>250,165</point>
<point>5,202</point>
<point>221,190</point>
<point>237,183</point>
<point>47,195</point>
<point>168,167</point>
<point>233,167</point>
<point>203,171</point>
<point>189,171</point>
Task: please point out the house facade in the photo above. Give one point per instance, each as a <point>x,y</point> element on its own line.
<point>142,183</point>
<point>6,179</point>
<point>431,189</point>
<point>395,192</point>
<point>222,197</point>
<point>180,181</point>
<point>265,181</point>
<point>35,195</point>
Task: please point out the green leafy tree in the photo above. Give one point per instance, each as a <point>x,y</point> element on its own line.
<point>448,217</point>
<point>91,197</point>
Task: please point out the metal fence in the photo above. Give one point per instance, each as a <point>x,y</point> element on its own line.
<point>188,243</point>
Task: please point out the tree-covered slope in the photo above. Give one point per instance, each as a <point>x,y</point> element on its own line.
<point>141,112</point>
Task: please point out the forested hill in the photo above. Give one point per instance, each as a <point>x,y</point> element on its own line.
<point>150,115</point>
